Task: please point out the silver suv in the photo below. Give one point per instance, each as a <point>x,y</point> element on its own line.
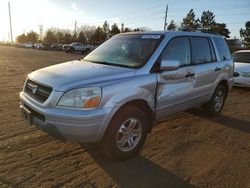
<point>120,90</point>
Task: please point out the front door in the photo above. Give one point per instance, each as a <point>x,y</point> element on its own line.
<point>175,88</point>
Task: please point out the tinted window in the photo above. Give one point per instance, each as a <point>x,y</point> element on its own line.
<point>201,52</point>
<point>178,49</point>
<point>222,48</point>
<point>243,57</point>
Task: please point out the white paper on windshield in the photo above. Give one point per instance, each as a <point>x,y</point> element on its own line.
<point>151,36</point>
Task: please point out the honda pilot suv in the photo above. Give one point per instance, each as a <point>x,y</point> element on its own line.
<point>117,93</point>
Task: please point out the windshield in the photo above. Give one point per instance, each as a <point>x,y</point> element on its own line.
<point>243,57</point>
<point>129,50</point>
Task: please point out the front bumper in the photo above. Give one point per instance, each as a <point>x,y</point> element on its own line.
<point>242,81</point>
<point>85,126</point>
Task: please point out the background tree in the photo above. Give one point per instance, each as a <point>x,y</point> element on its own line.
<point>141,29</point>
<point>114,29</point>
<point>50,37</point>
<point>21,38</point>
<point>68,38</point>
<point>32,36</point>
<point>189,23</point>
<point>221,28</point>
<point>99,36</point>
<point>126,29</point>
<point>60,36</point>
<point>106,30</point>
<point>81,37</point>
<point>207,22</point>
<point>88,31</point>
<point>172,26</point>
<point>245,34</point>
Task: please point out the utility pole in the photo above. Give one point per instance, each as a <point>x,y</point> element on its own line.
<point>166,16</point>
<point>11,36</point>
<point>75,26</point>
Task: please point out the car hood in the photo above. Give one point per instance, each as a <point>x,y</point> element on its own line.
<point>73,74</point>
<point>241,67</point>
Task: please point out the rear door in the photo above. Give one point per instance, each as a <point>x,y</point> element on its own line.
<point>175,92</point>
<point>206,68</point>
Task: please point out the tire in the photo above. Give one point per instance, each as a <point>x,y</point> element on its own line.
<point>216,103</point>
<point>71,50</point>
<point>126,133</point>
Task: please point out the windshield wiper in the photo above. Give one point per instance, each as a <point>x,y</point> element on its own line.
<point>100,62</point>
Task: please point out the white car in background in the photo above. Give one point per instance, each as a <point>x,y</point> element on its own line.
<point>242,68</point>
<point>29,45</point>
<point>38,45</point>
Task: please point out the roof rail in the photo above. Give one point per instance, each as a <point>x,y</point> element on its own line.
<point>210,32</point>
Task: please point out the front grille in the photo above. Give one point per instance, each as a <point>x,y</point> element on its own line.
<point>37,91</point>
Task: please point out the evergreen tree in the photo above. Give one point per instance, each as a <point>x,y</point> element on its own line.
<point>207,22</point>
<point>221,28</point>
<point>99,36</point>
<point>106,30</point>
<point>245,34</point>
<point>189,23</point>
<point>172,26</point>
<point>81,37</point>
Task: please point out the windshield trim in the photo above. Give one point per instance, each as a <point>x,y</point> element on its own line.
<point>108,63</point>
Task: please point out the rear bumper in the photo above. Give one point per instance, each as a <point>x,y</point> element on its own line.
<point>85,126</point>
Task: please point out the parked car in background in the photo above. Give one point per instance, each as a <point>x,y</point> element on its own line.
<point>242,68</point>
<point>56,46</point>
<point>38,45</point>
<point>122,88</point>
<point>77,47</point>
<point>29,45</point>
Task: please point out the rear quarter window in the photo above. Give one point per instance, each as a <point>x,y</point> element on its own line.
<point>201,50</point>
<point>222,47</point>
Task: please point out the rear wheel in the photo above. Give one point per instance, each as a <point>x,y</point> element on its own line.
<point>126,133</point>
<point>216,103</point>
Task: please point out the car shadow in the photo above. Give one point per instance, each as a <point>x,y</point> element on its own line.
<point>232,122</point>
<point>241,88</point>
<point>137,172</point>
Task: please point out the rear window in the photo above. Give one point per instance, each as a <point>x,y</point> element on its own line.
<point>222,48</point>
<point>201,52</point>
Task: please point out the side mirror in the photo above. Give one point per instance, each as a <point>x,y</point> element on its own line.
<point>236,74</point>
<point>168,65</point>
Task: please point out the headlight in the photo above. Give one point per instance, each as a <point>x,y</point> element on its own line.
<point>81,98</point>
<point>246,74</point>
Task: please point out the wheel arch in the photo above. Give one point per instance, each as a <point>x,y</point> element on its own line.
<point>224,83</point>
<point>139,103</point>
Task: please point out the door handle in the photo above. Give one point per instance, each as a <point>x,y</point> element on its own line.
<point>217,69</point>
<point>190,74</point>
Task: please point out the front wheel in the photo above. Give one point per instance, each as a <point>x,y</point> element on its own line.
<point>126,133</point>
<point>216,103</point>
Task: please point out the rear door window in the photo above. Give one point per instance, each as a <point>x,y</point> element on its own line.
<point>222,47</point>
<point>201,50</point>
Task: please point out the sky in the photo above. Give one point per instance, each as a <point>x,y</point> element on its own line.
<point>29,14</point>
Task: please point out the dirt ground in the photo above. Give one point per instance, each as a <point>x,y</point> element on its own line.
<point>187,150</point>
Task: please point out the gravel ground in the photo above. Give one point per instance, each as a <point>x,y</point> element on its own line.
<point>187,150</point>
